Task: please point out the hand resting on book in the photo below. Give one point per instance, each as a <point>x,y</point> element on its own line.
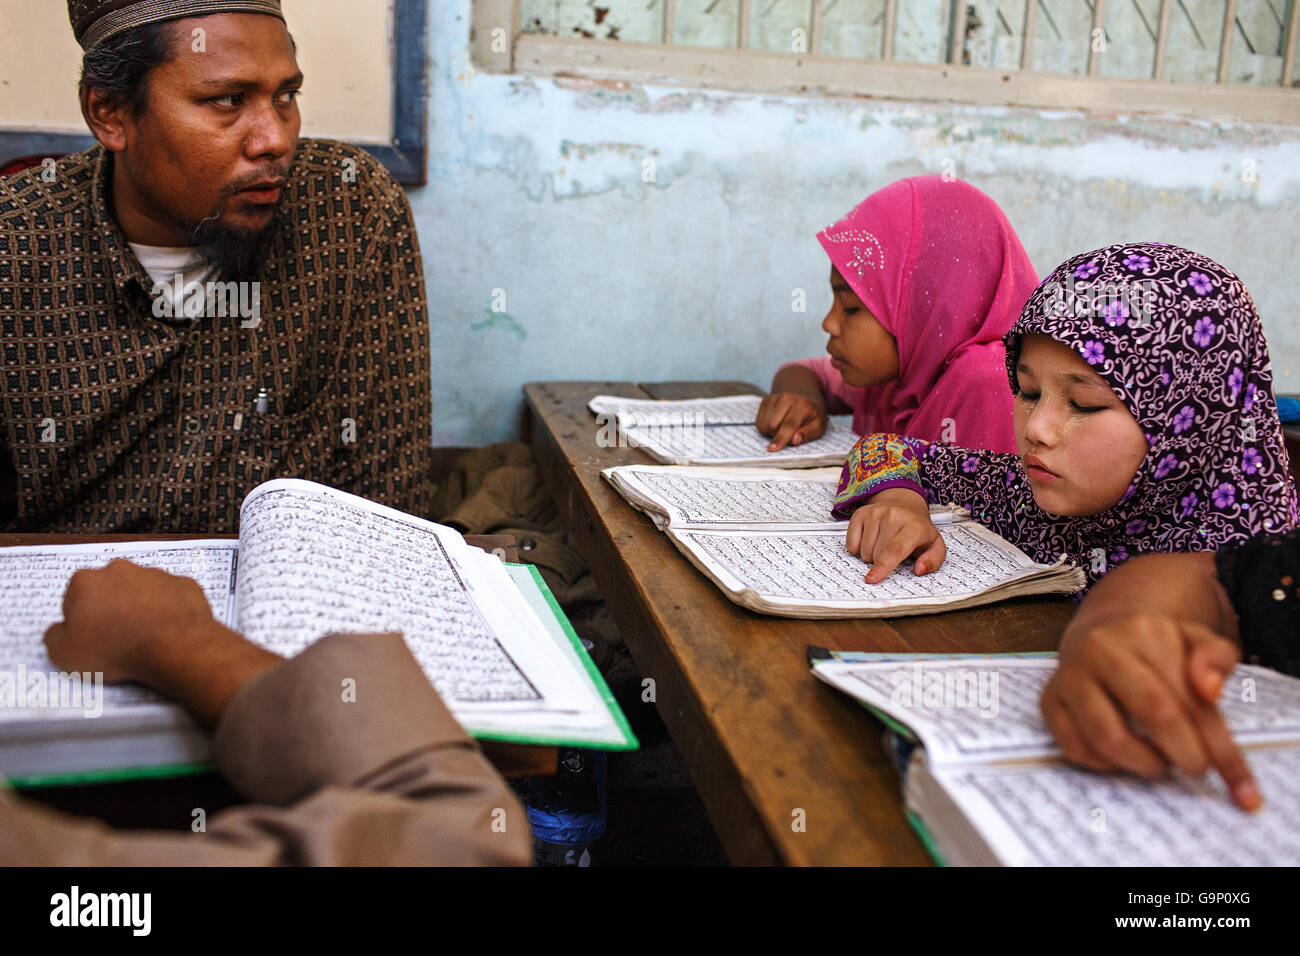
<point>142,624</point>
<point>384,778</point>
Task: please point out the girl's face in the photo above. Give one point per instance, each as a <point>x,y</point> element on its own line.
<point>1079,444</point>
<point>860,348</point>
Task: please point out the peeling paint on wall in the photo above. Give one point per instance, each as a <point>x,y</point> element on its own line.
<point>538,186</point>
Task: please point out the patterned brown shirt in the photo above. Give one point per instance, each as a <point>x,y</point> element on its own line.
<point>112,419</point>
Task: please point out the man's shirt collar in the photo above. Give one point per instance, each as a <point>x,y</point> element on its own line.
<point>124,267</point>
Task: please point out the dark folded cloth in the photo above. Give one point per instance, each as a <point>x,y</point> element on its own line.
<point>498,489</point>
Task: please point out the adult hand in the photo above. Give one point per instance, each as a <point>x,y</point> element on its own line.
<point>115,619</point>
<point>142,624</point>
<point>1139,692</point>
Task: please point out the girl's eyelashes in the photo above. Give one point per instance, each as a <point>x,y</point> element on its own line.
<point>848,307</point>
<point>1027,396</point>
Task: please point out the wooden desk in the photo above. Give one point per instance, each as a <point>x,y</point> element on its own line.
<point>167,803</point>
<point>761,737</point>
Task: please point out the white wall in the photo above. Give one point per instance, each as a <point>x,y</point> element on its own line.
<point>343,46</point>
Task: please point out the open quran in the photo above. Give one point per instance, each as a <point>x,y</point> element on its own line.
<point>309,561</point>
<point>985,785</point>
<point>766,539</point>
<point>709,431</point>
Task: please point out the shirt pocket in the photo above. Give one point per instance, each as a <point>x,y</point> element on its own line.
<point>264,447</point>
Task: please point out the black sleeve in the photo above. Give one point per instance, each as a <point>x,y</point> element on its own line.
<point>1262,578</point>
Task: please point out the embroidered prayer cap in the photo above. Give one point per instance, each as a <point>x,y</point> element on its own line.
<point>94,21</point>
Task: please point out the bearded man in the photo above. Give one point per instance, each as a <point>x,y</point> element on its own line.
<point>130,403</point>
<point>203,301</point>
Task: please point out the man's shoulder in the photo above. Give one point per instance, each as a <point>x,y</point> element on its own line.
<point>53,188</point>
<point>329,154</point>
<point>335,165</point>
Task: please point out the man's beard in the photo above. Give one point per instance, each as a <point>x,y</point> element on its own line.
<point>233,255</point>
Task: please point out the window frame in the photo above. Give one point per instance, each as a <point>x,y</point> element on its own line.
<point>761,71</point>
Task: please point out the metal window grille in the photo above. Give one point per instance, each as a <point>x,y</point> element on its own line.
<point>1207,58</point>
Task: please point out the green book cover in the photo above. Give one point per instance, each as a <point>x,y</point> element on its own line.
<point>618,736</point>
<point>88,778</point>
<point>539,597</point>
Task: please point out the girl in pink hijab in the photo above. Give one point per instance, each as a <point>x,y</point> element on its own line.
<point>927,276</point>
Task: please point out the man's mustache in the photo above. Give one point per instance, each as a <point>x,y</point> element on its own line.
<point>238,186</point>
<point>274,173</point>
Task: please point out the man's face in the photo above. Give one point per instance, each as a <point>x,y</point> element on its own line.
<point>219,133</point>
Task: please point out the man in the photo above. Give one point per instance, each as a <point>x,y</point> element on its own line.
<point>203,301</point>
<point>131,400</point>
<point>398,783</point>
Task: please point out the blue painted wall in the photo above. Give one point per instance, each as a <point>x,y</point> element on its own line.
<point>548,255</point>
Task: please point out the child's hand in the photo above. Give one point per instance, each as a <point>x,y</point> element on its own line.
<point>1152,672</point>
<point>791,418</point>
<point>894,526</point>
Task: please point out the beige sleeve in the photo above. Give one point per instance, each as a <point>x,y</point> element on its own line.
<point>387,778</point>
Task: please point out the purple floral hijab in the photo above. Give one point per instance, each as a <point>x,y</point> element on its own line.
<point>1177,337</point>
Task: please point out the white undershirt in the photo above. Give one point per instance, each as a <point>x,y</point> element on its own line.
<point>164,264</point>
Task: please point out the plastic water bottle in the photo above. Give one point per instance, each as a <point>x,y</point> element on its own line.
<point>567,811</point>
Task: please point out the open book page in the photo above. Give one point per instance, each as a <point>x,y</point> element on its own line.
<point>587,709</point>
<point>1060,815</point>
<point>497,576</point>
<point>767,499</point>
<point>714,431</point>
<point>802,570</point>
<point>727,410</point>
<point>314,560</point>
<point>713,497</point>
<point>571,696</point>
<point>983,709</point>
<point>962,709</point>
<point>32,584</point>
<point>687,444</point>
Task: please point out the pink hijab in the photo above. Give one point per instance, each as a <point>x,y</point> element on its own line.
<point>938,264</point>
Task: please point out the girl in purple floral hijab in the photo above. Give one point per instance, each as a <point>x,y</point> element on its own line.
<point>1144,420</point>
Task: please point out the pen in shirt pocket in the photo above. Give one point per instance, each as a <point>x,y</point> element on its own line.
<point>260,406</point>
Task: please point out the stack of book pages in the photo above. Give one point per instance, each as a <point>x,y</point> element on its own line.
<point>765,537</point>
